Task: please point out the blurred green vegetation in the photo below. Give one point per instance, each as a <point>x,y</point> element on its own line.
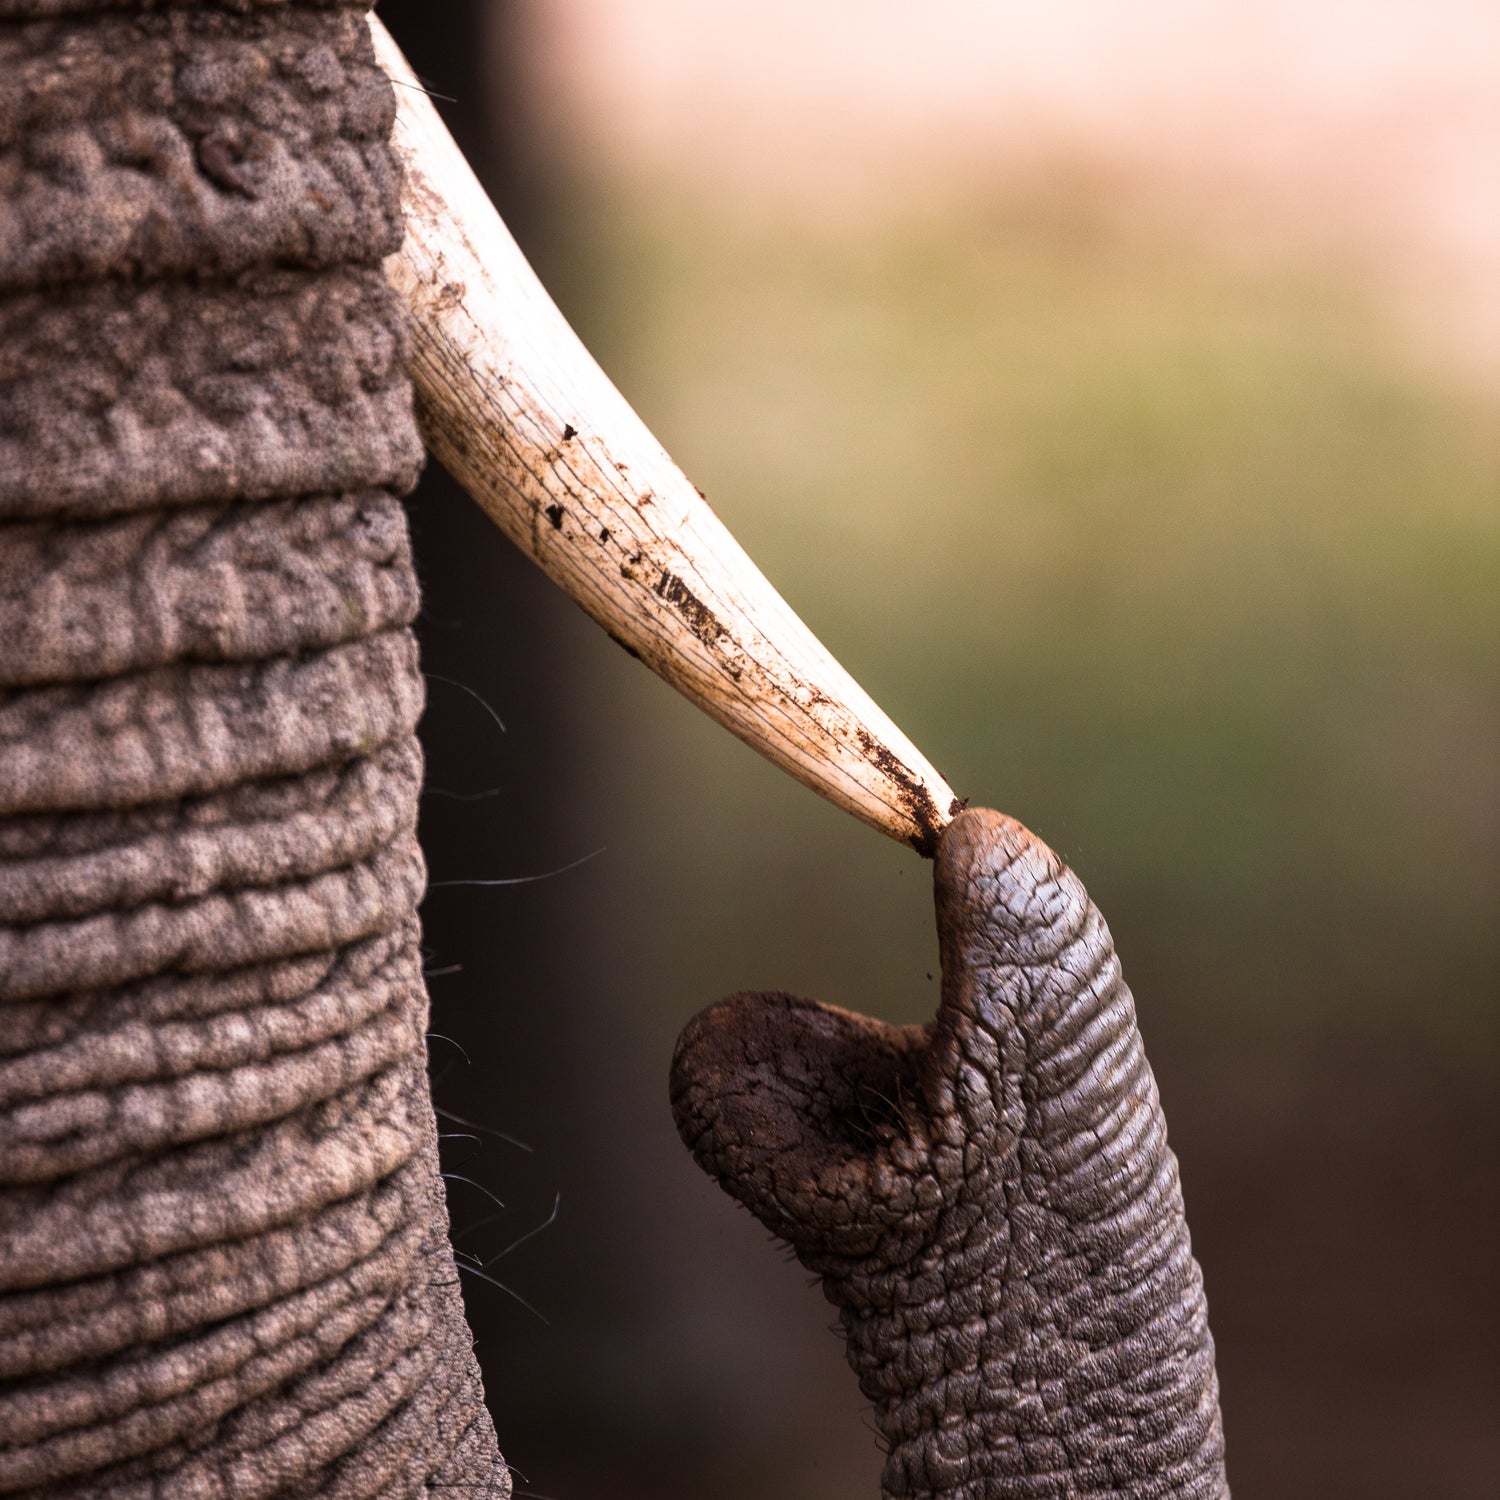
<point>1190,565</point>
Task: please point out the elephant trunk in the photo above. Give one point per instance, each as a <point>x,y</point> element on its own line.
<point>989,1199</point>
<point>224,1266</point>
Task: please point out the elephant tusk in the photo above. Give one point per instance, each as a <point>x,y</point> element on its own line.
<point>519,412</point>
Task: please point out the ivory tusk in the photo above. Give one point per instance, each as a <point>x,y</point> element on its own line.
<point>519,412</point>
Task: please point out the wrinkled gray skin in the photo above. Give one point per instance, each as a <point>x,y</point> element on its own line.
<point>224,1265</point>
<point>989,1199</point>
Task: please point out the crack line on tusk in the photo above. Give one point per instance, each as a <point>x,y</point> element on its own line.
<point>516,408</point>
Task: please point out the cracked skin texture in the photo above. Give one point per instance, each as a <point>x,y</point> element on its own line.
<point>224,1263</point>
<point>989,1199</point>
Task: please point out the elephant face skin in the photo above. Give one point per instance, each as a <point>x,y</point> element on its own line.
<point>224,1265</point>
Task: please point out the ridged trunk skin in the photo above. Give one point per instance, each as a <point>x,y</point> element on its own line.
<point>224,1266</point>
<point>989,1199</point>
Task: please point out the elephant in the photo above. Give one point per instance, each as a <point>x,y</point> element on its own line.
<point>225,1265</point>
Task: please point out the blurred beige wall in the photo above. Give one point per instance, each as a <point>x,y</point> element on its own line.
<point>1350,126</point>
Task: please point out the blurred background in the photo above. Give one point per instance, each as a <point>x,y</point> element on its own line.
<point>1115,391</point>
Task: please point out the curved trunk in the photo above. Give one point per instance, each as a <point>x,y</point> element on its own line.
<point>989,1199</point>
<point>224,1265</point>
